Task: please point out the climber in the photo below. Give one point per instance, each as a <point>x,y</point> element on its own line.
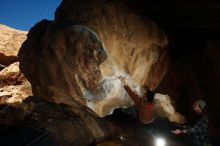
<point>145,104</point>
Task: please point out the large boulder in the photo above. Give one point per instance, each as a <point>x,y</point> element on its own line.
<point>77,58</point>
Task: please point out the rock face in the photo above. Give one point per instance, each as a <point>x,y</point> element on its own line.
<point>164,108</point>
<point>13,86</point>
<point>10,42</point>
<point>11,75</point>
<point>78,57</point>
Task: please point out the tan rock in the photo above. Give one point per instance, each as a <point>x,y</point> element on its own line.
<point>14,88</point>
<point>165,108</point>
<point>14,94</point>
<point>10,42</point>
<point>11,69</point>
<point>11,75</point>
<point>79,57</point>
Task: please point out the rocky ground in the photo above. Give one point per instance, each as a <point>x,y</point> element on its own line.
<point>14,87</point>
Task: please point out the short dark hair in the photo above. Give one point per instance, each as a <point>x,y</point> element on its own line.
<point>149,95</point>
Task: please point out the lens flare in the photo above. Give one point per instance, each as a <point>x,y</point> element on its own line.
<point>160,142</point>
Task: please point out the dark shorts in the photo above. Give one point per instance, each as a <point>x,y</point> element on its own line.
<point>150,128</point>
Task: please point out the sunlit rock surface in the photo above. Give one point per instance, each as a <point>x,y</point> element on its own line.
<point>10,42</point>
<point>11,69</point>
<point>78,58</point>
<point>11,75</point>
<point>13,86</point>
<point>14,94</point>
<point>164,108</point>
<point>14,89</point>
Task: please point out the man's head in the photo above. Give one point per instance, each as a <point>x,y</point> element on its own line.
<point>199,106</point>
<point>149,94</point>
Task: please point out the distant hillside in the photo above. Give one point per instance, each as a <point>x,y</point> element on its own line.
<point>10,42</point>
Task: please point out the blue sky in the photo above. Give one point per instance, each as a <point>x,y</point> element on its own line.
<point>23,14</point>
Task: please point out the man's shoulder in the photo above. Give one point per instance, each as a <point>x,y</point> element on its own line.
<point>204,117</point>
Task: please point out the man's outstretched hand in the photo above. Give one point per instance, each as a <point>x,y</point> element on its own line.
<point>123,80</point>
<point>178,131</point>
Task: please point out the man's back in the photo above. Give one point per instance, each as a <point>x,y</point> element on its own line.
<point>145,109</point>
<point>145,112</point>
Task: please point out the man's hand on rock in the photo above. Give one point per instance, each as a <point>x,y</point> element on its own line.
<point>124,80</point>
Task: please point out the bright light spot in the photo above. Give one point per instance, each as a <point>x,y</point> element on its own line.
<point>121,137</point>
<point>160,142</point>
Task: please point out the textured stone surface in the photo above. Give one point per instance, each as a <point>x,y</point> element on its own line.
<point>12,69</point>
<point>10,42</point>
<point>165,108</point>
<point>11,75</point>
<point>76,59</point>
<point>13,86</point>
<point>68,128</point>
<point>14,94</point>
